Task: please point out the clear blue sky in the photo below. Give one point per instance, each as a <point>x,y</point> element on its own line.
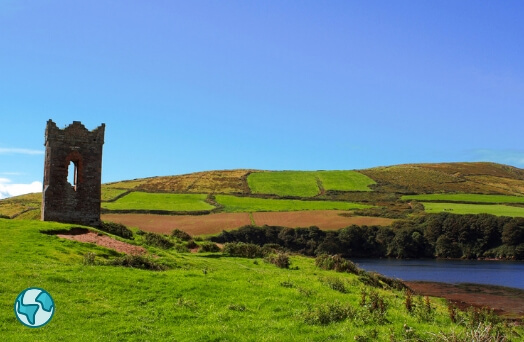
<point>186,86</point>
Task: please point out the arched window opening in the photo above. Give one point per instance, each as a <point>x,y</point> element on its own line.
<point>72,174</point>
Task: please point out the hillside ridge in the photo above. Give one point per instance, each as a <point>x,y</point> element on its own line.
<point>478,177</point>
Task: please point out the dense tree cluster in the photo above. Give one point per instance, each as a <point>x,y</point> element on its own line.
<point>441,235</point>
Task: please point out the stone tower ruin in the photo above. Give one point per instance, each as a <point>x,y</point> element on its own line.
<point>76,150</point>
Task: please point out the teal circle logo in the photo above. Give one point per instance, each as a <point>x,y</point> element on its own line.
<point>34,307</point>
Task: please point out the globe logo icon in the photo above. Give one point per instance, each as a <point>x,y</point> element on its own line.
<point>34,307</point>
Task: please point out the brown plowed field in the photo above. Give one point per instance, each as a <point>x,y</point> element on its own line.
<point>193,225</point>
<point>324,219</point>
<point>215,223</point>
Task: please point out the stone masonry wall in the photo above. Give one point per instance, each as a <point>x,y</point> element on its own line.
<point>72,203</point>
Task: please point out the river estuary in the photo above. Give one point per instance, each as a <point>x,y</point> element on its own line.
<point>502,273</point>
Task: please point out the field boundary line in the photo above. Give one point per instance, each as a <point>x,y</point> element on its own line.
<point>117,197</point>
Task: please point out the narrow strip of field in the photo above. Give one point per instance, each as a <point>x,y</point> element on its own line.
<point>460,208</point>
<point>215,223</point>
<point>474,198</point>
<point>324,219</point>
<point>159,201</point>
<point>235,204</point>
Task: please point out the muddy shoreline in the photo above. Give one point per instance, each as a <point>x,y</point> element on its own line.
<point>505,301</point>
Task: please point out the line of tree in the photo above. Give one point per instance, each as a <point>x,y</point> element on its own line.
<point>441,235</point>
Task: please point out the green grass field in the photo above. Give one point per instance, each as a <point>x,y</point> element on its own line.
<point>477,198</point>
<point>304,183</point>
<point>235,299</point>
<point>284,183</point>
<point>460,208</point>
<point>159,201</point>
<point>344,180</point>
<point>235,204</point>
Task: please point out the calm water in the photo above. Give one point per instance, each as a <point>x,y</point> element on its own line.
<point>504,273</point>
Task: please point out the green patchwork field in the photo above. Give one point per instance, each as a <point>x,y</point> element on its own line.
<point>234,204</point>
<point>306,183</point>
<point>476,198</point>
<point>460,208</point>
<point>159,201</point>
<point>344,180</point>
<point>284,183</point>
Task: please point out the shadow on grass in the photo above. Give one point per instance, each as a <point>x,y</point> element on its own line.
<point>211,256</point>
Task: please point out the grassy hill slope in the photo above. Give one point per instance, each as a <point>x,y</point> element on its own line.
<point>480,178</point>
<point>203,297</point>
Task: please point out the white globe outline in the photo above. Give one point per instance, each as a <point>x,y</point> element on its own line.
<point>42,317</point>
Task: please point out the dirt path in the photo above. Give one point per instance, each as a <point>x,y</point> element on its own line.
<point>104,241</point>
<point>507,302</point>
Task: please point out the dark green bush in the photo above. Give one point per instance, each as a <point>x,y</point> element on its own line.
<point>117,229</point>
<point>191,244</point>
<point>180,234</point>
<point>158,240</point>
<point>241,249</point>
<point>208,247</point>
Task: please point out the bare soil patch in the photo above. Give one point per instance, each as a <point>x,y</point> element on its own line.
<point>324,219</point>
<point>507,302</point>
<point>193,225</point>
<point>215,223</point>
<point>84,235</point>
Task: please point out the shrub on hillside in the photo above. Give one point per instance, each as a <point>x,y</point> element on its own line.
<point>181,248</point>
<point>279,259</point>
<point>337,263</point>
<point>158,240</point>
<point>241,249</point>
<point>117,229</point>
<point>325,314</point>
<point>89,258</point>
<point>137,261</point>
<point>209,247</point>
<point>180,234</point>
<point>191,244</point>
<point>334,283</point>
